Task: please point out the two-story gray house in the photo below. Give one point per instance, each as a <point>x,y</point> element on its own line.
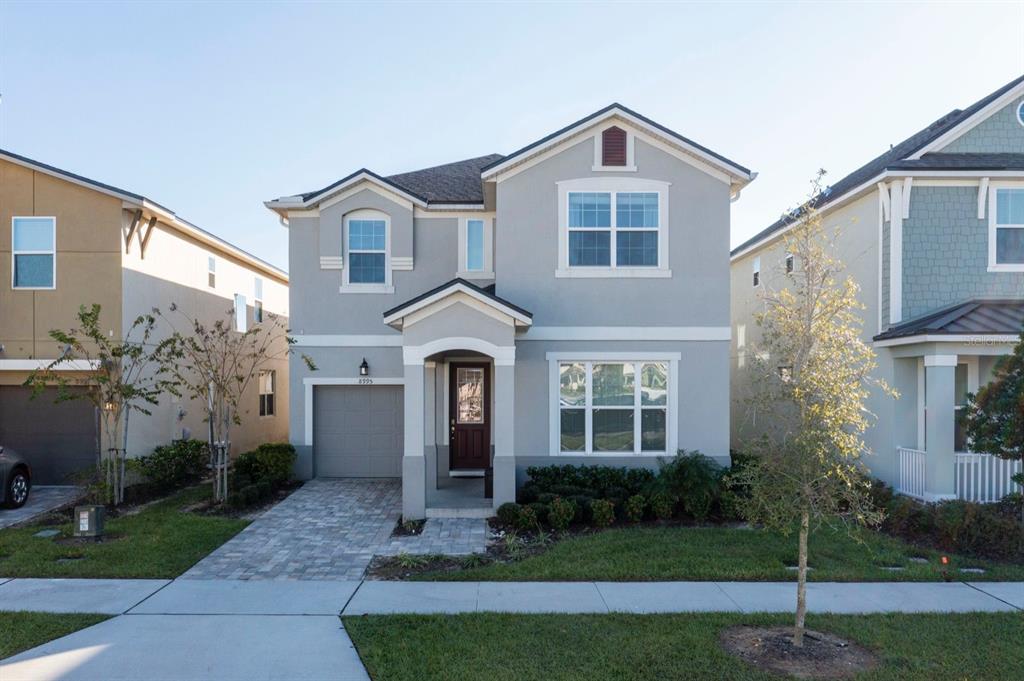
<point>566,303</point>
<point>933,232</point>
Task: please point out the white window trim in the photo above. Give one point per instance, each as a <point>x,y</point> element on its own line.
<point>388,285</point>
<point>755,272</point>
<point>630,166</point>
<point>612,185</point>
<point>994,266</point>
<point>53,253</point>
<point>488,269</point>
<point>589,358</point>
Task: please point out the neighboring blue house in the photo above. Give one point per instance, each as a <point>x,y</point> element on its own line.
<point>933,230</point>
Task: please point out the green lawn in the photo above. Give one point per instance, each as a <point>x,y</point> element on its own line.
<point>714,553</point>
<point>23,630</point>
<point>932,647</point>
<point>161,541</point>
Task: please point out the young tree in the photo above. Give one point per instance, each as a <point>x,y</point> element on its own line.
<point>125,375</point>
<point>811,375</point>
<point>994,418</point>
<point>216,365</point>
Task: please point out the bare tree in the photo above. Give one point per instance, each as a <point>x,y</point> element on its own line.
<point>812,376</point>
<point>118,376</point>
<point>217,363</point>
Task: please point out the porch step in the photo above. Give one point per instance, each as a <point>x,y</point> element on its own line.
<point>469,512</point>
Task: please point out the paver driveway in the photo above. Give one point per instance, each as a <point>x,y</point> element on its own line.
<point>330,529</point>
<point>42,499</point>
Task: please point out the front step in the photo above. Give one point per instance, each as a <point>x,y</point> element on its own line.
<point>471,512</point>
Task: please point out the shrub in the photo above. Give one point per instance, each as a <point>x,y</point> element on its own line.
<point>561,512</point>
<point>603,512</point>
<point>593,481</point>
<point>508,513</point>
<point>694,479</point>
<point>527,519</point>
<point>176,464</point>
<point>542,511</point>
<point>662,505</point>
<point>582,504</point>
<point>635,507</point>
<point>270,462</point>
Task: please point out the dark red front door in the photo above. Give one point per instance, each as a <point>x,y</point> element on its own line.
<point>469,429</point>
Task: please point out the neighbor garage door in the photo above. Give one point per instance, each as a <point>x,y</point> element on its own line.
<point>357,431</point>
<point>57,440</point>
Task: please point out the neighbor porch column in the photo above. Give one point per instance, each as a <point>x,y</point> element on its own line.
<point>414,487</point>
<point>430,423</point>
<point>504,423</point>
<point>940,403</point>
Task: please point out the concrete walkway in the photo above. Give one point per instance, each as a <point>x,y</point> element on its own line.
<point>42,499</point>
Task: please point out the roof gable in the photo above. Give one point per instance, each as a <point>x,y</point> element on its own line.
<point>437,297</point>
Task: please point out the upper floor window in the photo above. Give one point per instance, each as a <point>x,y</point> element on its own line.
<point>34,252</point>
<point>257,300</point>
<point>789,263</point>
<point>1020,113</point>
<point>613,227</point>
<point>474,245</point>
<point>241,314</point>
<point>475,256</point>
<point>266,384</point>
<point>1006,230</point>
<point>757,271</point>
<point>367,251</point>
<point>211,272</point>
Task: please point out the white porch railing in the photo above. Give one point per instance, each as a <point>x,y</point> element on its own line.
<point>912,471</point>
<point>984,478</point>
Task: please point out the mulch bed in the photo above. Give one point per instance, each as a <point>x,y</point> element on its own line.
<point>822,655</point>
<point>408,528</point>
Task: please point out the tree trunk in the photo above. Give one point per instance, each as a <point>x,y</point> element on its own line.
<point>801,584</point>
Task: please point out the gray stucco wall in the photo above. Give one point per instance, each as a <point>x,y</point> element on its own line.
<point>945,252</point>
<point>999,133</point>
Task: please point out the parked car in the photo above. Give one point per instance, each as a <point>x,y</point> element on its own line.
<point>17,478</point>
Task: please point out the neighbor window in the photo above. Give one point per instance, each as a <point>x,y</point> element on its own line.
<point>609,407</point>
<point>266,381</point>
<point>629,221</point>
<point>34,259</point>
<point>211,272</point>
<point>367,251</point>
<point>474,245</point>
<point>257,300</point>
<point>241,321</point>
<point>1007,229</point>
<point>1020,113</point>
<point>757,271</point>
<point>789,263</point>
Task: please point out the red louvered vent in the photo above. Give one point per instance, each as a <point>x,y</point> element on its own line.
<point>613,147</point>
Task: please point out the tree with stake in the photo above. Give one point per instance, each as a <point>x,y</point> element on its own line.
<point>217,364</point>
<point>811,377</point>
<point>125,375</point>
<point>994,418</point>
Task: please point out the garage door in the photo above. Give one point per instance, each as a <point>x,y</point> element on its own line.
<point>357,431</point>
<point>57,440</point>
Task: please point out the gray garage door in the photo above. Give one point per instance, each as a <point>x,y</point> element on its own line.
<point>357,431</point>
<point>58,440</point>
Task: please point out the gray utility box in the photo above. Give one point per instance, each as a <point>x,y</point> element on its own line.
<point>88,521</point>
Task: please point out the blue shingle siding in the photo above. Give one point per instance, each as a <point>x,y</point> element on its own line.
<point>945,253</point>
<point>885,274</point>
<point>999,133</point>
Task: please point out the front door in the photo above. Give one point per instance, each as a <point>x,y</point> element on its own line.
<point>469,429</point>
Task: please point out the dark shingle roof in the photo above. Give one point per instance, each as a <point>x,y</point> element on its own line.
<point>962,162</point>
<point>457,182</point>
<point>886,160</point>
<point>974,317</point>
<point>487,292</point>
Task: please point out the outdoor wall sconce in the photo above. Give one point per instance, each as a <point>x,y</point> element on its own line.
<point>364,368</point>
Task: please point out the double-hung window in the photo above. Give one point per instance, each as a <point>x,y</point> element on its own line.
<point>266,384</point>
<point>257,300</point>
<point>611,406</point>
<point>1006,229</point>
<point>613,227</point>
<point>367,251</point>
<point>34,252</point>
<point>211,272</point>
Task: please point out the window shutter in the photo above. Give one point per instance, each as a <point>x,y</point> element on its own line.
<point>613,147</point>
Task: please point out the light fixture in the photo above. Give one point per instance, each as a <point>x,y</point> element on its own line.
<point>364,368</point>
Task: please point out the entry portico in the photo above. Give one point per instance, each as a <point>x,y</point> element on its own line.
<point>455,384</point>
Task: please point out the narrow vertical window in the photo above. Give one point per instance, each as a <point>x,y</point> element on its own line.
<point>241,321</point>
<point>266,383</point>
<point>257,300</point>
<point>789,263</point>
<point>757,271</point>
<point>474,245</point>
<point>33,253</point>
<point>613,147</point>
<point>211,272</point>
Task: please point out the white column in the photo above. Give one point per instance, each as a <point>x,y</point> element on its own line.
<point>414,488</point>
<point>504,425</point>
<point>430,423</point>
<point>940,400</point>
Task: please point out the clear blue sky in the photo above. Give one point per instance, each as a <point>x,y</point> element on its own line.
<point>212,108</point>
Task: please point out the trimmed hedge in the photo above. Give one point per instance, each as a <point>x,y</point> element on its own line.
<point>270,462</point>
<point>175,465</point>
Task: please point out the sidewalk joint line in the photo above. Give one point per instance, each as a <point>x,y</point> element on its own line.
<point>169,582</point>
<point>731,599</point>
<point>601,595</point>
<point>351,596</point>
<point>980,590</point>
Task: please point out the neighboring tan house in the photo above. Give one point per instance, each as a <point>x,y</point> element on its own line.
<point>933,232</point>
<point>564,304</point>
<point>73,241</point>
